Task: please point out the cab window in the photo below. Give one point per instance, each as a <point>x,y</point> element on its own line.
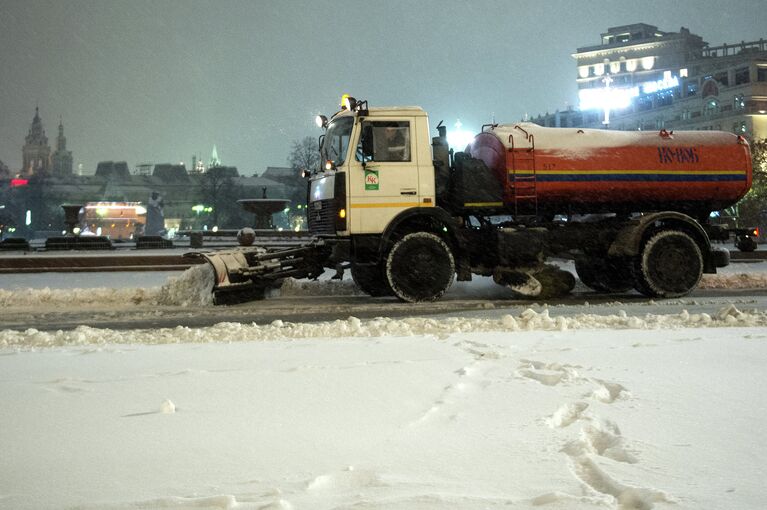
<point>384,141</point>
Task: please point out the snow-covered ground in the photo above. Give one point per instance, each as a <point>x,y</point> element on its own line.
<point>535,409</point>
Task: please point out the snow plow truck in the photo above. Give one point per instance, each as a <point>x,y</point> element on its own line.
<point>407,215</point>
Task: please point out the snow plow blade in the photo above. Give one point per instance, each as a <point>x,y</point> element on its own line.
<point>244,274</point>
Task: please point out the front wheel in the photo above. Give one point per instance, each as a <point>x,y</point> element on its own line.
<point>420,267</point>
<point>669,265</point>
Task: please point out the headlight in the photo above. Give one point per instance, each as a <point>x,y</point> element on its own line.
<point>321,121</point>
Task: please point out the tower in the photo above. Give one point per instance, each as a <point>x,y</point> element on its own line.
<point>214,161</point>
<point>36,153</point>
<point>62,158</point>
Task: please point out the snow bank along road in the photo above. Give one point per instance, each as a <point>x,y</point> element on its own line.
<point>137,300</point>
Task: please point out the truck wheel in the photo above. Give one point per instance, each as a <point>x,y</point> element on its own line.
<point>604,275</point>
<point>669,265</point>
<point>371,279</point>
<point>420,267</point>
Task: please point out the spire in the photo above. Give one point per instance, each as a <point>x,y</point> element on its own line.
<point>214,161</point>
<point>61,141</point>
<point>36,134</point>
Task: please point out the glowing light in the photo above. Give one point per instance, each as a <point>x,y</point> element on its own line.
<point>631,65</point>
<point>140,210</point>
<point>599,69</point>
<point>19,182</point>
<point>28,219</point>
<point>459,137</point>
<point>601,98</point>
<point>583,71</point>
<point>683,73</point>
<point>648,63</point>
<point>615,67</point>
<point>667,82</point>
<point>342,213</point>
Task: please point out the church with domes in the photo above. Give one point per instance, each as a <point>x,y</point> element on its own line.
<point>37,158</point>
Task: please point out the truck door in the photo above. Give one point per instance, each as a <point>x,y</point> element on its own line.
<point>383,174</point>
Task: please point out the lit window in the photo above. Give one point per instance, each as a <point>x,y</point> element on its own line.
<point>615,67</point>
<point>648,63</point>
<point>711,108</point>
<point>599,69</point>
<point>631,65</point>
<point>583,71</point>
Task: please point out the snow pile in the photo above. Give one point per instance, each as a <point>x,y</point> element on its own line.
<point>48,296</point>
<point>734,281</point>
<point>193,287</point>
<point>528,320</point>
<point>293,287</point>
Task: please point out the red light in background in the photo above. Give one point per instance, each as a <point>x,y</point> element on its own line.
<point>19,182</point>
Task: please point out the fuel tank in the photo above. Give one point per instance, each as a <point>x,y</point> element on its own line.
<point>568,170</point>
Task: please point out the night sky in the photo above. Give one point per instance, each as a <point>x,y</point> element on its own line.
<point>159,81</point>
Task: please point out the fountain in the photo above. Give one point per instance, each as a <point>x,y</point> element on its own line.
<point>72,217</point>
<point>263,208</point>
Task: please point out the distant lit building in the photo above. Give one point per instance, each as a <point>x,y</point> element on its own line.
<point>36,153</point>
<point>641,78</point>
<point>117,220</point>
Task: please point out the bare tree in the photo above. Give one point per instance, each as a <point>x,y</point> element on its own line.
<point>219,190</point>
<point>304,155</point>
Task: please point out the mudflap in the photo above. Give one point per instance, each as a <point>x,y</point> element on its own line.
<point>244,274</point>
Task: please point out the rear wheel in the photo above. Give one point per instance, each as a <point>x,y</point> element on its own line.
<point>604,275</point>
<point>670,264</point>
<point>420,267</point>
<point>370,278</point>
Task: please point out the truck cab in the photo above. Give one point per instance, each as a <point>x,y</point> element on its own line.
<point>376,163</point>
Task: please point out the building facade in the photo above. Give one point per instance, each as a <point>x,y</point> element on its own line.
<point>641,78</point>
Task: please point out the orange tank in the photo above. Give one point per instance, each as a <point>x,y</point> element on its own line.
<point>563,170</point>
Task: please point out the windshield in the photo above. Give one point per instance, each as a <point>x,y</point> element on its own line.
<point>337,140</point>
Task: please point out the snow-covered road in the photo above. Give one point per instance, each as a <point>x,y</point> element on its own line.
<point>613,404</point>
